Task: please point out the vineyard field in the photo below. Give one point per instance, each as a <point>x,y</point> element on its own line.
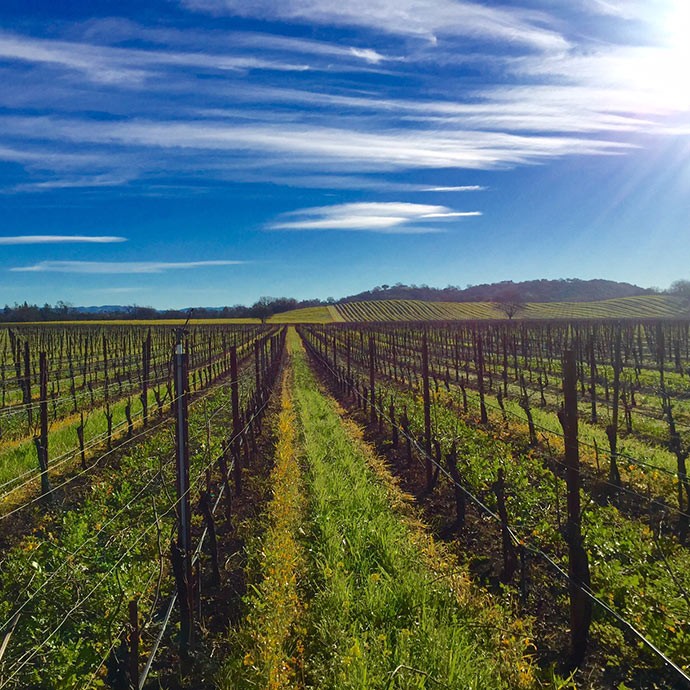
<point>488,504</point>
<point>483,405</point>
<point>647,306</point>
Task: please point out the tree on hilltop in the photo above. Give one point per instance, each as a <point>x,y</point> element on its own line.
<point>509,302</point>
<point>262,309</point>
<point>681,288</point>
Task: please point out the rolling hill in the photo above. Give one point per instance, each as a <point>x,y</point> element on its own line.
<point>541,290</point>
<point>639,307</point>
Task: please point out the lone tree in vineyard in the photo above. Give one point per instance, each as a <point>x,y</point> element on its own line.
<point>509,302</point>
<point>681,288</point>
<point>262,309</point>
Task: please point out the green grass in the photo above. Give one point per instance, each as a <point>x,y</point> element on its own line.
<point>63,441</point>
<point>379,616</point>
<point>306,315</point>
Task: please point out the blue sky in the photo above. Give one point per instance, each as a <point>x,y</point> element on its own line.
<point>208,152</point>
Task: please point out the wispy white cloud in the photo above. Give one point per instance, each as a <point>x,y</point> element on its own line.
<point>90,60</point>
<point>379,217</point>
<point>588,99</point>
<point>463,188</point>
<point>47,158</point>
<point>112,31</point>
<point>323,147</point>
<point>424,18</point>
<point>114,65</point>
<point>451,214</point>
<point>560,107</point>
<point>60,239</point>
<point>624,9</point>
<point>374,183</point>
<point>74,182</point>
<point>119,267</point>
<point>368,54</point>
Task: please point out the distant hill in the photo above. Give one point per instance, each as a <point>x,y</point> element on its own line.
<point>563,290</point>
<point>105,309</point>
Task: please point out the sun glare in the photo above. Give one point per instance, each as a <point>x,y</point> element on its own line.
<point>653,75</point>
<point>677,26</point>
<point>665,71</point>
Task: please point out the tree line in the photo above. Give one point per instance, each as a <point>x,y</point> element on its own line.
<point>542,290</point>
<point>63,311</point>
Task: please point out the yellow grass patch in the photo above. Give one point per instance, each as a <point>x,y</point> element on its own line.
<point>275,650</point>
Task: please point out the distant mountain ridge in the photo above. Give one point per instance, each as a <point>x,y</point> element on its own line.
<point>562,290</point>
<point>104,309</point>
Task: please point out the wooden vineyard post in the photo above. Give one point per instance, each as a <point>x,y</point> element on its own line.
<point>72,376</point>
<point>394,358</point>
<point>578,565</point>
<point>128,416</point>
<point>209,363</point>
<point>80,436</point>
<point>26,385</point>
<point>675,445</point>
<point>264,355</point>
<point>509,560</point>
<point>348,365</point>
<point>504,372</point>
<point>612,429</point>
<point>452,464</point>
<point>236,421</point>
<point>660,353</point>
<point>480,379</point>
<point>182,560</point>
<point>592,380</point>
<point>106,392</point>
<point>335,354</point>
<point>223,466</point>
<point>427,410</point>
<point>145,375</point>
<point>41,440</point>
<point>372,378</point>
<point>257,371</point>
<point>524,404</point>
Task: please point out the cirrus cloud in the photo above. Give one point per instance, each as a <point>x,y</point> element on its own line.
<point>60,239</point>
<point>397,218</point>
<point>113,267</point>
<point>423,18</point>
